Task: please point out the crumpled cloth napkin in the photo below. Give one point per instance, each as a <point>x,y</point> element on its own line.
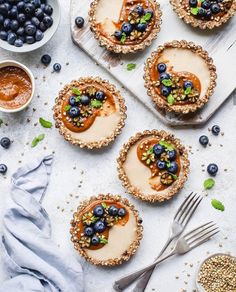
<point>32,260</point>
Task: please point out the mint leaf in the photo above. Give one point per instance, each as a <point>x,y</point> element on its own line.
<point>167,82</point>
<point>123,38</point>
<point>36,140</point>
<point>217,205</point>
<point>146,18</point>
<point>78,98</point>
<point>167,145</point>
<point>103,240</point>
<point>44,123</point>
<point>209,183</point>
<point>96,103</point>
<point>194,10</point>
<point>104,205</point>
<point>174,176</point>
<point>188,90</point>
<point>67,107</point>
<point>76,91</point>
<point>131,66</point>
<point>170,99</point>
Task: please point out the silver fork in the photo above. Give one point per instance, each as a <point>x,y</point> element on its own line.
<point>183,245</point>
<point>180,221</point>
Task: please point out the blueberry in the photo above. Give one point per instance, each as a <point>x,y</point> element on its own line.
<point>30,29</point>
<point>11,38</point>
<point>48,21</point>
<point>203,140</point>
<point>1,19</point>
<point>37,3</point>
<point>161,164</point>
<point>42,27</point>
<point>161,67</point>
<point>113,210</point>
<point>72,100</point>
<point>13,12</point>
<point>215,8</point>
<point>35,21</point>
<point>193,3</point>
<point>215,130</point>
<point>3,168</point>
<point>74,112</point>
<point>158,150</point>
<point>39,14</point>
<point>48,9</point>
<point>18,43</point>
<point>14,25</point>
<point>100,95</point>
<point>121,212</point>
<point>139,9</point>
<point>88,231</point>
<point>3,9</point>
<point>20,6</point>
<point>95,240</point>
<point>85,100</point>
<point>28,22</point>
<point>29,39</point>
<point>99,226</point>
<point>141,27</point>
<point>98,211</point>
<point>39,35</point>
<point>57,67</point>
<point>212,169</point>
<point>42,6</point>
<point>7,24</point>
<point>173,167</point>
<point>206,4</point>
<point>3,35</point>
<point>29,8</point>
<point>79,21</point>
<point>172,154</point>
<point>127,28</point>
<point>21,18</point>
<point>5,142</point>
<point>165,90</point>
<point>118,34</point>
<point>208,14</point>
<point>188,84</point>
<point>201,12</point>
<point>164,76</point>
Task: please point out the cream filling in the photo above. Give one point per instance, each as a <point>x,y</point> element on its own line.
<point>138,174</point>
<point>186,60</point>
<point>108,13</point>
<point>120,239</point>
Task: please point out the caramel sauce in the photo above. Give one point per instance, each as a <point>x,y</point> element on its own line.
<point>15,87</point>
<point>154,180</point>
<point>107,109</point>
<point>80,226</point>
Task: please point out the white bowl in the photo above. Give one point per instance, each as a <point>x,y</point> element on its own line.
<point>29,73</point>
<point>48,34</point>
<point>198,286</point>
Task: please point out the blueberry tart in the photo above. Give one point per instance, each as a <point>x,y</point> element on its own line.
<point>106,230</point>
<point>153,166</point>
<point>180,77</point>
<point>90,112</point>
<point>125,26</point>
<point>205,14</point>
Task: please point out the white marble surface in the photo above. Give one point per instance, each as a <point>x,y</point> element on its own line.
<point>100,173</point>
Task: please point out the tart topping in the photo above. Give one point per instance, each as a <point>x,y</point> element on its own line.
<point>163,161</point>
<point>91,228</point>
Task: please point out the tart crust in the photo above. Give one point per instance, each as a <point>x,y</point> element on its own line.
<point>174,188</point>
<point>160,101</point>
<point>130,250</point>
<point>122,48</point>
<point>64,131</point>
<point>202,24</point>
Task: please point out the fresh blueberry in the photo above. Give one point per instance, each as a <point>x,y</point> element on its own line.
<point>11,38</point>
<point>21,18</point>
<point>20,6</point>
<point>29,39</point>
<point>127,28</point>
<point>8,6</point>
<point>30,29</point>
<point>37,3</point>
<point>164,76</point>
<point>74,112</point>
<point>208,14</point>
<point>57,67</point>
<point>72,100</point>
<point>13,12</point>
<point>141,27</point>
<point>1,19</point>
<point>3,168</point>
<point>18,43</point>
<point>193,3</point>
<point>46,60</point>
<point>201,12</point>
<point>39,35</point>
<point>43,6</point>
<point>149,11</point>
<point>48,21</point>
<point>39,14</point>
<point>14,25</point>
<point>212,169</point>
<point>42,27</point>
<point>161,164</point>
<point>28,22</point>
<point>100,95</point>
<point>48,9</point>
<point>118,34</point>
<point>165,90</point>
<point>3,35</point>
<point>3,9</point>
<point>7,24</point>
<point>79,21</point>
<point>88,231</point>
<point>99,226</point>
<point>161,67</point>
<point>215,8</point>
<point>203,140</point>
<point>85,100</point>
<point>172,154</point>
<point>113,210</point>
<point>139,9</point>
<point>95,240</point>
<point>35,21</point>
<point>29,9</point>
<point>206,4</point>
<point>215,130</point>
<point>5,142</point>
<point>121,212</point>
<point>173,167</point>
<point>188,84</point>
<point>158,150</point>
<point>98,211</point>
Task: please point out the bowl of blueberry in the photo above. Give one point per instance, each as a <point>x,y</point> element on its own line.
<point>26,25</point>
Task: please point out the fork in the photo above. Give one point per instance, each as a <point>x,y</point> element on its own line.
<point>183,245</point>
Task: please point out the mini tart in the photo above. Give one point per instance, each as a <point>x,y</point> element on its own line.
<point>138,171</point>
<point>204,19</point>
<point>98,122</point>
<point>185,62</point>
<point>121,237</point>
<point>107,17</point>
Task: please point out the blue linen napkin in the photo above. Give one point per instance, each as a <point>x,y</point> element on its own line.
<point>33,261</point>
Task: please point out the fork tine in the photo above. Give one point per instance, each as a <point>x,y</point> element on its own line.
<point>197,232</point>
<point>201,235</point>
<point>205,239</point>
<point>198,228</point>
<point>192,208</point>
<point>184,205</point>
